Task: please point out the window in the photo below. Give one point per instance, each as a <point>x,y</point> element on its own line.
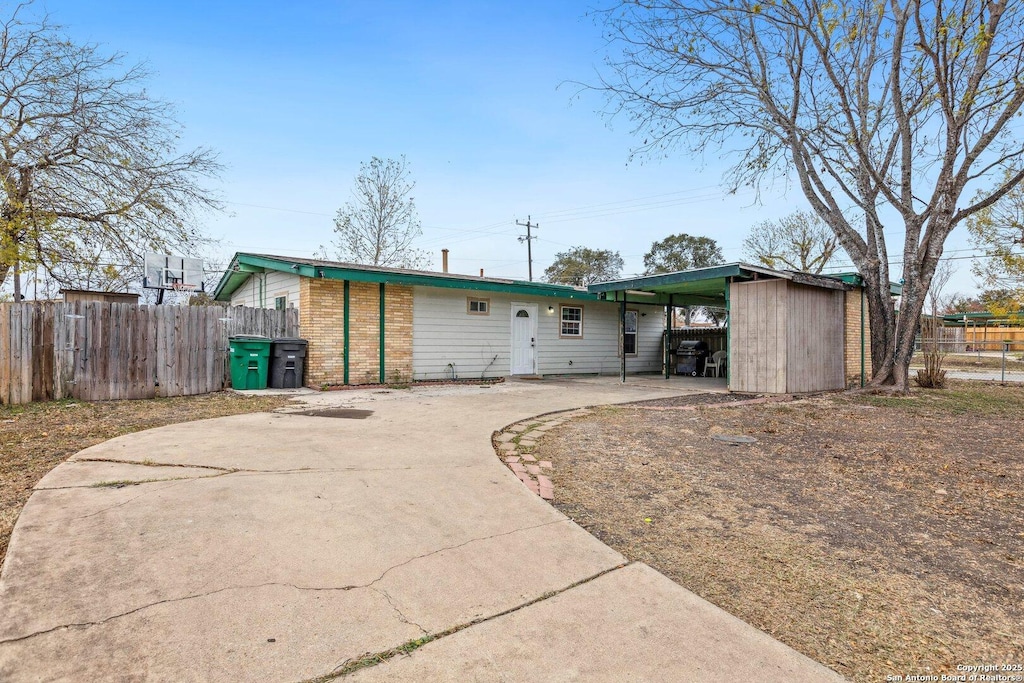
<point>281,303</point>
<point>629,333</point>
<point>478,306</point>
<point>572,321</point>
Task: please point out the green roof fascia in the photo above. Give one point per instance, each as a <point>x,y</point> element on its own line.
<point>224,289</point>
<point>853,278</point>
<point>669,279</point>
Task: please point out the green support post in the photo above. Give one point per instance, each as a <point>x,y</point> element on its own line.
<point>622,338</point>
<point>728,332</point>
<point>383,376</point>
<point>668,337</point>
<point>345,332</point>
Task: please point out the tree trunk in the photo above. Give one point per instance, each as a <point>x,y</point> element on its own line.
<point>17,281</point>
<point>893,335</point>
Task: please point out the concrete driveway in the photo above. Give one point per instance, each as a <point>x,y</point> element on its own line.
<point>279,547</point>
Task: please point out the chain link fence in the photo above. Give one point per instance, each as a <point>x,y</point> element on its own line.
<point>994,360</point>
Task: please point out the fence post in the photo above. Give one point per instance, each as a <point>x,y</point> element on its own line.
<point>1006,347</point>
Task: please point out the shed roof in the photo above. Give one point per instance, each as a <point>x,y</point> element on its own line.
<point>245,264</point>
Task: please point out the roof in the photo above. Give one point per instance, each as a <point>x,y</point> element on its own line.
<point>984,317</point>
<point>244,264</point>
<point>855,278</point>
<point>703,285</point>
<point>96,291</point>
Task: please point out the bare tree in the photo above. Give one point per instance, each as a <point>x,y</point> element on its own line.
<point>88,161</point>
<point>800,241</point>
<point>879,110</point>
<point>380,223</point>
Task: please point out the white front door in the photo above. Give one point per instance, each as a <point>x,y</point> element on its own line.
<point>524,339</point>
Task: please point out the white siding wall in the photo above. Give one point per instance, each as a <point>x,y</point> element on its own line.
<point>275,284</point>
<point>477,345</point>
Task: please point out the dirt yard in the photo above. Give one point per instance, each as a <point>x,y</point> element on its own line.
<point>37,437</point>
<point>876,535</point>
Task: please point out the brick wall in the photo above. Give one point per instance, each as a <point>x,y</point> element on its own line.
<point>853,339</point>
<point>321,319</point>
<point>321,316</point>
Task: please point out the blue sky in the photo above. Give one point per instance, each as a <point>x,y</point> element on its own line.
<point>476,95</point>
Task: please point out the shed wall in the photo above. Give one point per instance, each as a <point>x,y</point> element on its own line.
<point>815,344</point>
<point>757,336</point>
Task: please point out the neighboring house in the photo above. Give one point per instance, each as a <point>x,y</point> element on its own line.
<point>368,324</point>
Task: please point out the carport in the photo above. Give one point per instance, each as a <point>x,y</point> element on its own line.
<point>786,331</point>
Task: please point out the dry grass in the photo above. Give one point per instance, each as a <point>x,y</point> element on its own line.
<point>877,535</point>
<point>37,437</point>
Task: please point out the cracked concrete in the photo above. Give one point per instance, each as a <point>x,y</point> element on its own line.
<point>274,546</point>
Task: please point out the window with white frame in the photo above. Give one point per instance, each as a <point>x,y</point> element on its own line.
<point>629,333</point>
<point>572,321</point>
<point>281,302</point>
<point>478,306</point>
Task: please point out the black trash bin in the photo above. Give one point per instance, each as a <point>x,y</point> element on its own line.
<point>287,360</point>
<point>690,357</point>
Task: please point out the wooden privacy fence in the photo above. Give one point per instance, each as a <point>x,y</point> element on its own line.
<point>102,351</point>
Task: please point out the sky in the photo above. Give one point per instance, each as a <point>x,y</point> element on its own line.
<point>480,98</point>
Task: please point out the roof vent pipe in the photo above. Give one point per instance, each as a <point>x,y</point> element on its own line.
<point>444,260</point>
<point>481,272</point>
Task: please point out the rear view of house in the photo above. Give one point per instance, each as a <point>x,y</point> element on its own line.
<point>368,324</point>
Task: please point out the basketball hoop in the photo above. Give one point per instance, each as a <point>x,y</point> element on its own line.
<point>182,287</point>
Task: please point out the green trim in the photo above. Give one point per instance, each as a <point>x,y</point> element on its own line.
<point>230,281</point>
<point>668,337</point>
<point>383,375</point>
<point>345,334</point>
<point>622,340</point>
<point>862,364</point>
<point>728,333</point>
<point>855,279</point>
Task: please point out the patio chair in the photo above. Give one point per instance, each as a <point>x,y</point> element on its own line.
<point>718,359</point>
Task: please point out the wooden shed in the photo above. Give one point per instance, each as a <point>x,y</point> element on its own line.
<point>785,337</point>
<point>786,331</point>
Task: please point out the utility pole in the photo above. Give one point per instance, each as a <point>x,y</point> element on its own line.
<point>528,238</point>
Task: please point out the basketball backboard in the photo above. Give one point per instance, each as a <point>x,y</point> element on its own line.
<point>173,272</point>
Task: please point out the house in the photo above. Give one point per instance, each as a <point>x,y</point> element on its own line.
<point>370,324</point>
<point>787,332</point>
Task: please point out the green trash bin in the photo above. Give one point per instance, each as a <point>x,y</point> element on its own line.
<point>250,356</point>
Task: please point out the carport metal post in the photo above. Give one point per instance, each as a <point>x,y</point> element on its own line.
<point>728,334</point>
<point>668,335</point>
<point>622,337</point>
